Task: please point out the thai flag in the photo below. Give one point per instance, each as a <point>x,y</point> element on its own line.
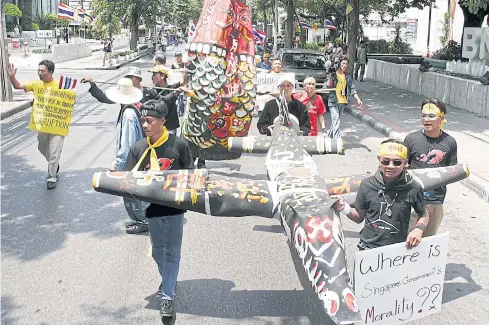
<point>259,36</point>
<point>329,25</point>
<point>88,18</point>
<point>67,82</point>
<point>81,13</point>
<point>65,11</point>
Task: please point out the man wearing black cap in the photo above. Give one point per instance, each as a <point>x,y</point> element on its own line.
<point>179,63</point>
<point>167,152</point>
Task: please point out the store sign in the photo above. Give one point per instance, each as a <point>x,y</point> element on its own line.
<point>44,34</point>
<point>476,43</point>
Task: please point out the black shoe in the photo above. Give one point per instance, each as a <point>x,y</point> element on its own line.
<point>51,185</point>
<point>167,312</point>
<point>137,228</point>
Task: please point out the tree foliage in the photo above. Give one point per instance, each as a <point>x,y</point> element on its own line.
<point>180,12</point>
<point>26,19</point>
<point>12,10</point>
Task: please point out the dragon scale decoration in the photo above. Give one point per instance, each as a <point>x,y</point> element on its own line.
<point>221,73</point>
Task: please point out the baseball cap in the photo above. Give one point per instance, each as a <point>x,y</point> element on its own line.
<point>286,78</point>
<point>160,68</point>
<point>133,71</point>
<point>178,53</point>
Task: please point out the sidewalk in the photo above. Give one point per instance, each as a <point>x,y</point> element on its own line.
<point>395,112</point>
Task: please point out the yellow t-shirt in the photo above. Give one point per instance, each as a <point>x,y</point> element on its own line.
<point>341,89</point>
<point>40,87</point>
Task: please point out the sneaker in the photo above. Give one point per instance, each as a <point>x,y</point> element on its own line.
<point>137,228</point>
<point>167,312</point>
<point>51,185</point>
<point>159,293</point>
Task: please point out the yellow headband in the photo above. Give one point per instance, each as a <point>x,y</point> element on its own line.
<point>393,149</point>
<point>429,108</point>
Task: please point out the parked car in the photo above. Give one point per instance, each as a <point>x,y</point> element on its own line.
<point>305,63</point>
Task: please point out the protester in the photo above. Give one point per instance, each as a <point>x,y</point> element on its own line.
<point>265,64</point>
<point>159,77</point>
<point>384,202</point>
<point>159,60</point>
<point>338,100</point>
<point>50,145</point>
<point>179,63</point>
<point>429,148</point>
<point>362,60</point>
<point>128,130</point>
<point>296,108</point>
<point>314,105</point>
<point>276,66</point>
<point>165,223</point>
<point>107,51</point>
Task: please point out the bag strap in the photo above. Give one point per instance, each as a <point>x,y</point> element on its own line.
<point>311,102</point>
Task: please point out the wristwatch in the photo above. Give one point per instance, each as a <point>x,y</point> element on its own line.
<point>420,226</point>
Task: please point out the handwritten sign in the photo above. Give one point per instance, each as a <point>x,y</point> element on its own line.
<point>395,285</point>
<point>52,110</point>
<point>267,82</point>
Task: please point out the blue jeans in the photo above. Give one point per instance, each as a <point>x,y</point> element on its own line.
<point>136,209</point>
<point>336,111</point>
<point>166,240</point>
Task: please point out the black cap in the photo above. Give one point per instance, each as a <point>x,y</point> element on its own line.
<point>178,53</point>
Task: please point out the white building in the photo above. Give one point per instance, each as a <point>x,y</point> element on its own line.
<point>414,27</point>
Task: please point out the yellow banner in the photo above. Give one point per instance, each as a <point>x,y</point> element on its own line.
<point>349,8</point>
<point>51,111</point>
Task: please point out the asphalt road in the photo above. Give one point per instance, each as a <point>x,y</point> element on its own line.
<point>65,258</point>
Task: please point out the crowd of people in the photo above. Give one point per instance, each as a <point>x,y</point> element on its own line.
<point>147,139</point>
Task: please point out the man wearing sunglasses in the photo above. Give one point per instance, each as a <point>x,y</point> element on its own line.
<point>384,202</point>
<point>432,147</point>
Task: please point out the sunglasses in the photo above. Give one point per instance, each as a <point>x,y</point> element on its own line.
<point>430,116</point>
<point>387,162</point>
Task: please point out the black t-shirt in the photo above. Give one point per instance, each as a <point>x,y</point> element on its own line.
<point>426,152</point>
<point>170,98</point>
<point>380,229</point>
<point>174,154</point>
<point>271,111</point>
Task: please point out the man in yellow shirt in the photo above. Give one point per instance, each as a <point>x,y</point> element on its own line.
<point>342,81</point>
<point>49,145</point>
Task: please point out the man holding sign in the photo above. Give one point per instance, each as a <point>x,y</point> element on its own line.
<point>51,114</point>
<point>384,202</point>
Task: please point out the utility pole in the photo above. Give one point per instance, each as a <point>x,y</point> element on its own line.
<point>429,32</point>
<point>5,85</point>
<point>275,28</point>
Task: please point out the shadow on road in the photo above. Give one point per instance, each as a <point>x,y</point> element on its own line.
<point>455,290</point>
<point>7,309</point>
<point>36,221</point>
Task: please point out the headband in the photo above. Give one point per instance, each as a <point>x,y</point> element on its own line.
<point>153,113</point>
<point>432,108</point>
<point>393,149</point>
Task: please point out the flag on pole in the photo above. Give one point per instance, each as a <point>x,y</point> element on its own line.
<point>65,11</point>
<point>88,18</point>
<point>329,25</point>
<point>67,82</point>
<point>259,36</point>
<point>80,14</point>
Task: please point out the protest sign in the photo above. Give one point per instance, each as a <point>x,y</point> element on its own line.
<point>51,111</point>
<point>395,285</point>
<point>267,82</point>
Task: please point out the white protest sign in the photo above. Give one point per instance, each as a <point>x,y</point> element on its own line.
<point>176,76</point>
<point>395,285</point>
<point>267,82</point>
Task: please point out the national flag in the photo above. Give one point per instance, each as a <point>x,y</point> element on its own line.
<point>80,14</point>
<point>259,35</point>
<point>65,11</point>
<point>88,18</point>
<point>305,25</point>
<point>191,28</point>
<point>329,25</point>
<point>67,82</point>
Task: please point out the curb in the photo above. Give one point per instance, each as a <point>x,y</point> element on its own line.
<point>24,105</point>
<point>473,182</point>
<point>118,65</point>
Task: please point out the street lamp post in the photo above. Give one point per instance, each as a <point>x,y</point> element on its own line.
<point>429,32</point>
<point>5,86</point>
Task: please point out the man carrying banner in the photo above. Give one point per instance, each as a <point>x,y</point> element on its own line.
<point>50,145</point>
<point>161,150</point>
<point>428,148</point>
<point>384,202</point>
<point>296,108</point>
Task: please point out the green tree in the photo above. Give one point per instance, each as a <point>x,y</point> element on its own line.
<point>180,12</point>
<point>26,19</point>
<point>12,10</point>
